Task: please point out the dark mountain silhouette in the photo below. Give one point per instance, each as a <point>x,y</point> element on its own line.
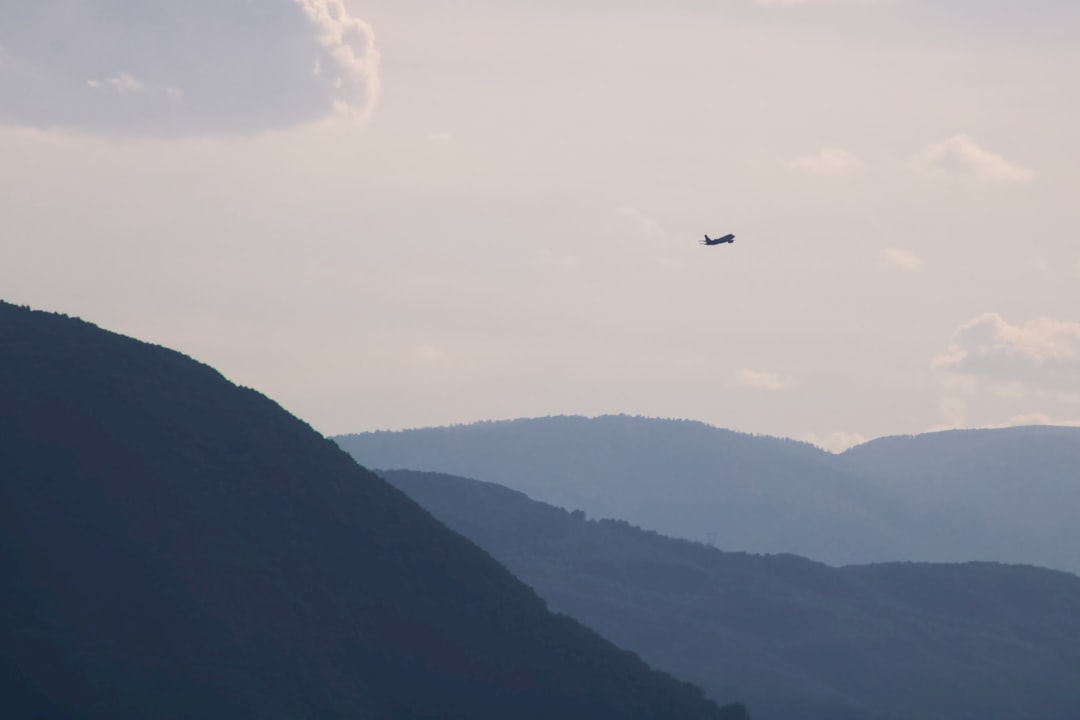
<point>173,546</point>
<point>1001,495</point>
<point>792,637</point>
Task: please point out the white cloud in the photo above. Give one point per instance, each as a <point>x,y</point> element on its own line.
<point>902,259</point>
<point>827,161</point>
<point>962,157</point>
<point>644,225</point>
<point>654,242</point>
<point>764,380</point>
<point>1041,356</point>
<point>185,68</point>
<point>127,83</point>
<point>123,83</point>
<point>834,442</point>
<point>351,45</point>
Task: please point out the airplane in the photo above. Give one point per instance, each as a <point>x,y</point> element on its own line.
<point>718,241</point>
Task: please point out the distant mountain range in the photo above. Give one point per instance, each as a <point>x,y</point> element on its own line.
<point>174,546</point>
<point>1009,495</point>
<point>792,637</point>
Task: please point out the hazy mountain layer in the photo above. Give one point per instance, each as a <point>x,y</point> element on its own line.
<point>1011,493</point>
<point>173,546</point>
<point>794,638</point>
<point>1001,495</point>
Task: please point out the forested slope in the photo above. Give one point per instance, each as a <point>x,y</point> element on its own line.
<point>792,637</point>
<point>173,546</point>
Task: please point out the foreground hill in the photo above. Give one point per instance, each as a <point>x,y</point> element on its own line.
<point>1000,495</point>
<point>173,546</point>
<point>794,638</point>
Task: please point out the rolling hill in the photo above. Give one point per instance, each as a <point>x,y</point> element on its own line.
<point>1010,495</point>
<point>792,637</point>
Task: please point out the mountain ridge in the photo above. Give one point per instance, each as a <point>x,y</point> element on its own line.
<point>763,494</point>
<point>174,546</point>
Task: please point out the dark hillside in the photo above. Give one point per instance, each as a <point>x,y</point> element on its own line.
<point>173,546</point>
<point>793,638</point>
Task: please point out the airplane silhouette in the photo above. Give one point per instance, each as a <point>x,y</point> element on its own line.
<point>719,241</point>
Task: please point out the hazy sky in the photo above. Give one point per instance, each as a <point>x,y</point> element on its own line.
<point>400,213</point>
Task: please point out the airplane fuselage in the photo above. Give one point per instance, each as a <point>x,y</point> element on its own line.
<point>729,238</point>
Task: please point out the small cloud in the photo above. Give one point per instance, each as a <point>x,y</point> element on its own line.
<point>834,442</point>
<point>902,259</point>
<point>764,380</point>
<point>1040,356</point>
<point>126,83</point>
<point>122,83</point>
<point>832,162</point>
<point>654,241</point>
<point>960,156</point>
<point>645,225</point>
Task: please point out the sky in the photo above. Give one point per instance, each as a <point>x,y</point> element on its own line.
<point>404,213</point>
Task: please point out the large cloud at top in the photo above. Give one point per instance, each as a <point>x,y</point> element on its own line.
<point>182,67</point>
